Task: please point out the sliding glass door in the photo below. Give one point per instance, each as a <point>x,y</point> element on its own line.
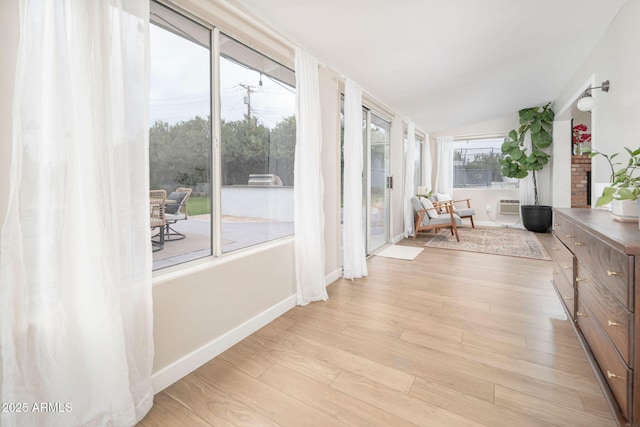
<point>377,182</point>
<point>375,179</point>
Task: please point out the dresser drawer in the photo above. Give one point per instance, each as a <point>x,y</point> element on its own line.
<point>563,230</point>
<point>613,317</point>
<point>564,258</point>
<point>566,291</point>
<point>614,370</point>
<point>610,266</point>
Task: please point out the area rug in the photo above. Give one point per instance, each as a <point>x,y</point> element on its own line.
<point>400,252</point>
<point>499,241</point>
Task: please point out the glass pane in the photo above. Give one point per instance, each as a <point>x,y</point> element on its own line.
<point>180,135</point>
<point>379,194</point>
<point>475,164</point>
<point>258,141</point>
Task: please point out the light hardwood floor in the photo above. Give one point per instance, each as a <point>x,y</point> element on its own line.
<point>449,339</point>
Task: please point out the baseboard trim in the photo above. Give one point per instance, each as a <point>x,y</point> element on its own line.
<point>398,238</point>
<point>332,277</point>
<point>192,361</point>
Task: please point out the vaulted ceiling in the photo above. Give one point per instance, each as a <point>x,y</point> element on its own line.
<point>445,63</point>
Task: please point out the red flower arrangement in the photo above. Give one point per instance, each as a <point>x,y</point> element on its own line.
<point>579,134</point>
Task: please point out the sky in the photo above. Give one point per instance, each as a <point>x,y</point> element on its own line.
<point>180,85</point>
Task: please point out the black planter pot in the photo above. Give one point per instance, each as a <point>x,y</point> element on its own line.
<point>536,218</point>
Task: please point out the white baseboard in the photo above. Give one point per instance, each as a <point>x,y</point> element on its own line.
<point>192,361</point>
<point>332,277</point>
<point>398,238</point>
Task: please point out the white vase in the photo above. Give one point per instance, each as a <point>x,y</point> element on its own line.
<point>625,210</point>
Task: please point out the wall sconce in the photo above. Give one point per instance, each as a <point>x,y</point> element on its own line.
<point>586,102</point>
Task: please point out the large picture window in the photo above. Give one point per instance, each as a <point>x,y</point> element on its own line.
<point>475,164</point>
<point>252,190</point>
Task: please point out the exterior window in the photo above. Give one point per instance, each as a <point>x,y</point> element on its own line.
<point>180,133</point>
<point>257,141</point>
<point>475,164</point>
<point>258,132</point>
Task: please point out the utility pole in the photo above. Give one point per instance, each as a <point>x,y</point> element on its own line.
<point>247,98</point>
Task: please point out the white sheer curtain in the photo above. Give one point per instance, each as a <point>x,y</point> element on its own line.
<point>353,251</point>
<point>409,172</point>
<point>427,163</point>
<point>308,192</point>
<point>444,177</point>
<point>75,255</point>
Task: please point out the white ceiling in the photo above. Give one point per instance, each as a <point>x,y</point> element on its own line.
<point>444,63</point>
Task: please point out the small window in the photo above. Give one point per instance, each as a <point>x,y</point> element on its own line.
<point>475,164</point>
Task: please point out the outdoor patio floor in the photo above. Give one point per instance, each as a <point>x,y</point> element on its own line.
<point>237,233</point>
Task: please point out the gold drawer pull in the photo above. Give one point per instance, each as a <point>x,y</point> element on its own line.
<point>567,267</point>
<point>568,298</point>
<point>612,273</point>
<point>612,375</point>
<point>568,236</point>
<point>612,323</point>
<point>578,313</point>
<point>579,244</point>
<point>580,280</point>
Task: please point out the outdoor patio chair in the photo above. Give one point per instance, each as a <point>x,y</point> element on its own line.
<point>461,207</point>
<point>434,216</point>
<point>157,217</point>
<point>176,210</point>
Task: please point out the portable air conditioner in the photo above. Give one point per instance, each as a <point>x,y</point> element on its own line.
<point>509,207</point>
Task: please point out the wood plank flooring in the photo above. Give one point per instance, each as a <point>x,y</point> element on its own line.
<point>449,339</point>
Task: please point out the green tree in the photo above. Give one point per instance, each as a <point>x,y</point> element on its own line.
<point>244,150</point>
<point>282,150</point>
<point>179,154</point>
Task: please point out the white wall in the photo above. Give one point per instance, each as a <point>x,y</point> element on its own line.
<point>615,123</point>
<point>561,164</point>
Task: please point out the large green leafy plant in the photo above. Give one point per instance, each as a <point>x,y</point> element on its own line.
<point>517,159</point>
<point>625,182</point>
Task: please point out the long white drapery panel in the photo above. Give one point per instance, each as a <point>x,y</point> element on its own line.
<point>444,177</point>
<point>75,269</point>
<point>427,163</point>
<point>409,172</point>
<point>308,192</point>
<point>353,250</point>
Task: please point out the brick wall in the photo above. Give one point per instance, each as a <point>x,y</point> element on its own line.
<point>580,166</point>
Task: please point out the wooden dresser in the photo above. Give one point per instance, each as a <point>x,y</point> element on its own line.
<point>596,274</point>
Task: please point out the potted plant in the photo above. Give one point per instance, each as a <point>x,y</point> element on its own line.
<point>624,188</point>
<point>518,161</point>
